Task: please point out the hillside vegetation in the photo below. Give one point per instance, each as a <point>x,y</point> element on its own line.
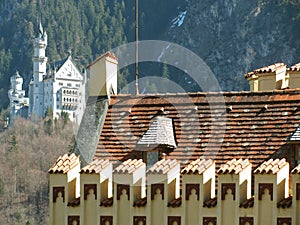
<point>27,151</point>
<point>86,27</point>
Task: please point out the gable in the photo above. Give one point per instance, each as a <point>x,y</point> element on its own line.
<point>67,70</point>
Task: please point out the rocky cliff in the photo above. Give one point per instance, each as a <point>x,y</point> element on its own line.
<point>237,36</point>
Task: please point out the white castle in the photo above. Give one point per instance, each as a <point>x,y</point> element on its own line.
<point>18,102</point>
<point>55,88</point>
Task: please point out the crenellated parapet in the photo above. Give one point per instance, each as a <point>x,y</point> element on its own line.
<point>169,193</point>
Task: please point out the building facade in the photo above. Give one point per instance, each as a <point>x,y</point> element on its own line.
<point>55,88</point>
<point>277,76</point>
<point>180,159</point>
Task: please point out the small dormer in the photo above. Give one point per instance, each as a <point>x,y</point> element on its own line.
<point>157,141</point>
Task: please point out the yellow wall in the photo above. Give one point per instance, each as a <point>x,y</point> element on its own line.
<point>103,77</point>
<point>191,210</point>
<point>277,80</point>
<point>294,79</point>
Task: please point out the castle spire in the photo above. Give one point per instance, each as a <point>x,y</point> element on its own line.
<point>41,30</point>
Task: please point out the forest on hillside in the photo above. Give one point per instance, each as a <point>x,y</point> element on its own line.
<point>27,150</point>
<point>87,28</point>
<point>233,37</point>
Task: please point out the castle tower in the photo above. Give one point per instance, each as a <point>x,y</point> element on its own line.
<point>39,70</point>
<point>18,102</point>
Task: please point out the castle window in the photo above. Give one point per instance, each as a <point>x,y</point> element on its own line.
<point>60,84</point>
<point>69,85</point>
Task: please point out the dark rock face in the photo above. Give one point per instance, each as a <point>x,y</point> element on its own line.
<point>237,36</point>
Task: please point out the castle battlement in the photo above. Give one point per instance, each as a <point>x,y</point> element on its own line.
<point>168,193</point>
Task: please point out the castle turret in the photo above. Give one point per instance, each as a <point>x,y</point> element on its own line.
<point>18,102</point>
<point>39,70</point>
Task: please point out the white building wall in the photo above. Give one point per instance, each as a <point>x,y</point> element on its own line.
<point>45,89</point>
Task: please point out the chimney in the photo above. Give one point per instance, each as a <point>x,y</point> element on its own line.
<point>103,75</point>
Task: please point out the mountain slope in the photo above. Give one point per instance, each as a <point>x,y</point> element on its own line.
<point>236,36</point>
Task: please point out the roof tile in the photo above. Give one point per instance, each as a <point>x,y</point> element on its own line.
<point>96,166</point>
<point>296,170</point>
<point>249,203</point>
<point>212,202</point>
<point>235,166</point>
<point>267,69</point>
<point>197,167</point>
<point>107,202</point>
<point>129,166</point>
<point>64,164</point>
<point>295,67</point>
<point>271,166</point>
<point>175,203</point>
<point>140,202</point>
<point>163,166</point>
<point>285,203</point>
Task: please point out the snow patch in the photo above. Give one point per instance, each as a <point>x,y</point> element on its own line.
<point>178,21</point>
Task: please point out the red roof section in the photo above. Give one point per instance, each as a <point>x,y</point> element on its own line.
<point>234,166</point>
<point>295,67</point>
<point>267,69</point>
<point>272,166</point>
<point>256,127</point>
<point>64,164</point>
<point>107,54</point>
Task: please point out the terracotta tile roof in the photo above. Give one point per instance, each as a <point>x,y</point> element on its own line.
<point>234,166</point>
<point>296,170</point>
<point>64,164</point>
<point>140,202</point>
<point>129,166</point>
<point>96,166</point>
<point>107,54</point>
<point>285,203</point>
<point>107,202</point>
<point>159,133</point>
<point>211,202</point>
<point>295,67</point>
<point>249,131</point>
<point>249,203</point>
<point>267,69</point>
<point>175,203</point>
<point>163,166</point>
<point>197,167</point>
<point>75,202</point>
<point>271,166</point>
